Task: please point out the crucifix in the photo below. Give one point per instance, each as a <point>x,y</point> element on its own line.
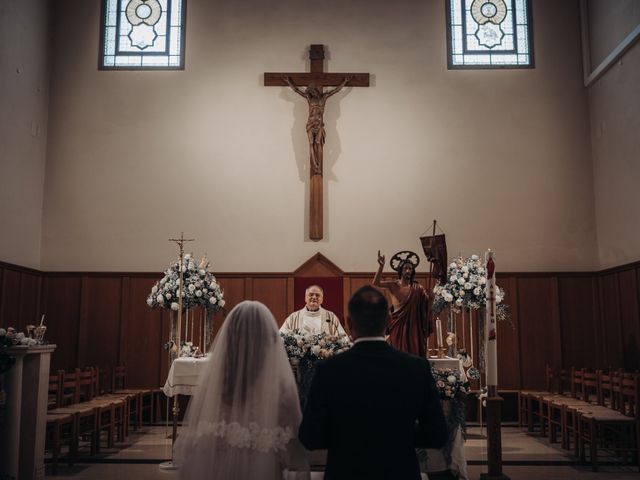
<point>176,406</point>
<point>316,97</point>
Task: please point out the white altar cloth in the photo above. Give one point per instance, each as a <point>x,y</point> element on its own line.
<point>184,376</point>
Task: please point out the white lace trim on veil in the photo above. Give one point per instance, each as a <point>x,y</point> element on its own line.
<point>252,436</point>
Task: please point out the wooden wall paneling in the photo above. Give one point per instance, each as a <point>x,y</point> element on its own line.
<point>2,299</point>
<point>578,317</point>
<point>123,325</point>
<point>234,293</point>
<point>273,293</point>
<point>346,295</point>
<point>290,293</point>
<point>83,321</point>
<point>535,295</point>
<point>61,305</point>
<point>598,314</point>
<point>10,307</point>
<point>610,324</point>
<point>143,340</point>
<point>556,331</point>
<point>629,318</point>
<point>248,289</point>
<point>164,317</point>
<point>29,298</point>
<point>508,347</point>
<point>101,320</point>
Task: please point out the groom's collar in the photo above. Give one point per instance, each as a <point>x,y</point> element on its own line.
<point>368,339</point>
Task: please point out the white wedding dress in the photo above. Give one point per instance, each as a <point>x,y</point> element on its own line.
<point>242,422</point>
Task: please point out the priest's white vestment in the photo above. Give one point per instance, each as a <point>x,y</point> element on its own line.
<point>314,322</point>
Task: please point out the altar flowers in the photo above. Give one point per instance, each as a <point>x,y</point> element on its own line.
<point>200,287</point>
<point>466,288</point>
<point>300,345</point>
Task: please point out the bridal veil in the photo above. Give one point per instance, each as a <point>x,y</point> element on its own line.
<point>242,422</point>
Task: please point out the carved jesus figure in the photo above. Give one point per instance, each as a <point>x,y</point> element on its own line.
<point>316,98</point>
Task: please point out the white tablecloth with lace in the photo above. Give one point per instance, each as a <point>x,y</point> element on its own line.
<point>184,376</point>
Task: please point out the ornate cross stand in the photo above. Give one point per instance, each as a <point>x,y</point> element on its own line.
<point>175,349</point>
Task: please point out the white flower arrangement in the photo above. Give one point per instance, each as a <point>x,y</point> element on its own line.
<point>200,287</point>
<point>450,383</point>
<point>466,287</point>
<point>10,337</point>
<point>300,345</point>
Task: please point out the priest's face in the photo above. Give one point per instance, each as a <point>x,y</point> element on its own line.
<point>313,298</point>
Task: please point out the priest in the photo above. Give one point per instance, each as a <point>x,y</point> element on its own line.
<point>409,325</point>
<point>312,318</point>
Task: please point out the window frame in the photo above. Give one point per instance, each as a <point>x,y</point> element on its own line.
<point>183,30</point>
<point>452,66</point>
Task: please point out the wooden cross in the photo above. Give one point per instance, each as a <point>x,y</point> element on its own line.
<point>315,81</point>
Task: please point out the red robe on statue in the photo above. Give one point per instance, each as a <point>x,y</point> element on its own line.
<point>410,327</point>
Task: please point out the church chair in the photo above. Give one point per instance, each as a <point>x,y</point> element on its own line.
<point>605,388</point>
<point>69,388</point>
<point>112,412</point>
<point>144,396</point>
<point>616,432</point>
<point>528,400</point>
<point>86,414</point>
<point>61,429</point>
<point>54,391</point>
<point>550,404</point>
<point>559,409</point>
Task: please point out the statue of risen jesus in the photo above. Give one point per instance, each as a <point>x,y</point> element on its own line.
<point>316,98</point>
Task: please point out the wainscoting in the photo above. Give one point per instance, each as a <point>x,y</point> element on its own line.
<point>101,318</point>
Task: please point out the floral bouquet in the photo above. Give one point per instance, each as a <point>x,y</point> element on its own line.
<point>304,349</point>
<point>200,287</point>
<point>451,384</point>
<point>9,337</point>
<point>299,345</point>
<point>466,288</point>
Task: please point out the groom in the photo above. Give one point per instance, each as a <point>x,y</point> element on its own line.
<point>373,405</point>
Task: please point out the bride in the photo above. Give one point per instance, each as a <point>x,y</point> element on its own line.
<point>242,422</point>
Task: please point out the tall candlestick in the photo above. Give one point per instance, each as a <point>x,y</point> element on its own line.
<point>491,357</point>
<point>439,332</point>
<point>42,320</point>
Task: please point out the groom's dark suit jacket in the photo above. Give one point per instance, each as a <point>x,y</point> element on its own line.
<point>371,407</point>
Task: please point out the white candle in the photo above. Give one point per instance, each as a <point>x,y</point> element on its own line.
<point>42,320</point>
<point>439,332</point>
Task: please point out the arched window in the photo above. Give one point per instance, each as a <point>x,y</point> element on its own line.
<point>489,34</point>
<point>142,34</point>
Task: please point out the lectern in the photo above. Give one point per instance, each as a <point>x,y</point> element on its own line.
<point>24,421</point>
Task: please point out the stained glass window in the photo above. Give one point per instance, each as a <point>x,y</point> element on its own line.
<point>489,34</point>
<point>142,34</point>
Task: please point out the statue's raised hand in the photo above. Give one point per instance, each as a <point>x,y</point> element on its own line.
<point>380,259</point>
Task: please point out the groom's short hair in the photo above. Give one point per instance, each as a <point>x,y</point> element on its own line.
<point>369,311</point>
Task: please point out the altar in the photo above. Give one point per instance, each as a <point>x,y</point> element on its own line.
<point>184,376</point>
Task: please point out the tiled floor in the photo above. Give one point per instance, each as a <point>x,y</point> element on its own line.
<point>525,458</point>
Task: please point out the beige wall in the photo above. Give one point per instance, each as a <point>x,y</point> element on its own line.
<point>614,103</point>
<point>500,158</point>
<point>24,97</point>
